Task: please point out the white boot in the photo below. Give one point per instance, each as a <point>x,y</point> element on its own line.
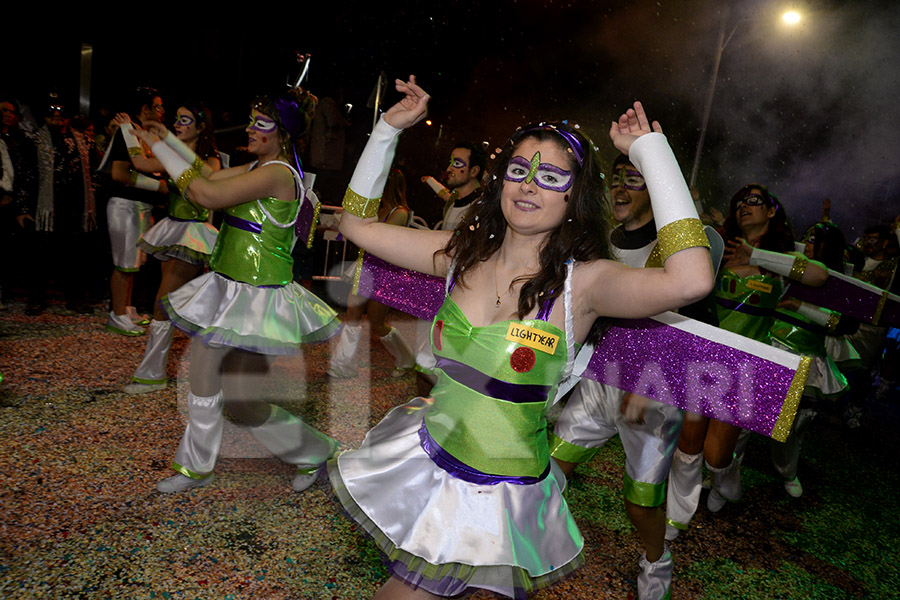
<point>199,447</point>
<point>296,443</point>
<point>342,365</point>
<point>403,355</point>
<point>685,479</point>
<point>122,325</point>
<point>726,486</point>
<point>150,375</point>
<point>655,578</point>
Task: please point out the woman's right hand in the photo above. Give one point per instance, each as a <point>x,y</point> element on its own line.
<point>411,109</point>
<point>157,128</point>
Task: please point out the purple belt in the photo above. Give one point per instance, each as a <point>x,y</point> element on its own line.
<point>460,470</point>
<point>486,385</point>
<point>244,224</point>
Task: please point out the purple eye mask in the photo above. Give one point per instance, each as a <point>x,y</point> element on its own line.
<point>628,179</point>
<point>546,176</point>
<point>262,124</point>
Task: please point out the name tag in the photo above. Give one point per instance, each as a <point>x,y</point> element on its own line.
<point>760,286</point>
<point>533,338</point>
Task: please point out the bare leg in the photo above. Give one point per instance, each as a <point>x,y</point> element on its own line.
<point>650,523</point>
<point>245,371</point>
<point>377,315</point>
<point>396,589</point>
<point>720,443</point>
<point>120,286</point>
<point>693,433</point>
<point>175,273</point>
<point>567,467</point>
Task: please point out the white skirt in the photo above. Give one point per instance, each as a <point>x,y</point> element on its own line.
<point>447,535</point>
<point>188,241</point>
<point>224,312</point>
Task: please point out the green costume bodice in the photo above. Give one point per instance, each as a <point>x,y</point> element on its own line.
<point>185,210</point>
<point>494,385</point>
<point>255,242</point>
<point>799,333</point>
<point>746,305</point>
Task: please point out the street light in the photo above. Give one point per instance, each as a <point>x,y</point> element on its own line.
<point>791,17</point>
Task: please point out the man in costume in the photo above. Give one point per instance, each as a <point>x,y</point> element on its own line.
<point>463,177</point>
<point>648,429</point>
<point>132,196</point>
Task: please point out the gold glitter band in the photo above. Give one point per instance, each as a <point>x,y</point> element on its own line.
<point>358,270</point>
<point>136,151</point>
<point>791,401</point>
<point>312,227</point>
<point>881,302</point>
<point>360,206</point>
<point>198,164</point>
<point>833,321</point>
<point>798,268</point>
<point>679,235</point>
<point>185,179</point>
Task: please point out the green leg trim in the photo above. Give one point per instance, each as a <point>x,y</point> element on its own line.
<point>188,473</point>
<point>648,495</point>
<point>124,270</point>
<point>676,524</point>
<point>569,452</point>
<point>148,381</point>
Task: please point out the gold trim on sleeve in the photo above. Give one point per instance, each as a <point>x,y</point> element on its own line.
<point>679,235</point>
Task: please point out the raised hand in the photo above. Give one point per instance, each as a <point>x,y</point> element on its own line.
<point>157,128</point>
<point>631,125</point>
<point>737,253</point>
<point>148,137</point>
<point>411,109</point>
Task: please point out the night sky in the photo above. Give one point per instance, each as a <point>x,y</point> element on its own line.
<point>811,111</point>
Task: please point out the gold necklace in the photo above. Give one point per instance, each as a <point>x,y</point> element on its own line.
<point>496,286</point>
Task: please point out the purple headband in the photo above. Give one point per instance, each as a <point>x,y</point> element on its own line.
<point>571,140</point>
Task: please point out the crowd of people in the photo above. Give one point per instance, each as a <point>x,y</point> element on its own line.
<point>538,252</point>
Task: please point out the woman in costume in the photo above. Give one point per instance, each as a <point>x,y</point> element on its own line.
<point>182,242</point>
<point>458,489</point>
<point>804,328</point>
<point>247,308</point>
<point>757,258</point>
<point>393,211</point>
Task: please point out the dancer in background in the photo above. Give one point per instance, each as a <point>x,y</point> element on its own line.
<point>182,242</point>
<point>133,192</point>
<point>393,211</point>
<point>458,489</point>
<point>247,308</point>
<point>748,290</point>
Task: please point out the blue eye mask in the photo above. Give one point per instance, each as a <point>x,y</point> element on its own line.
<point>546,176</point>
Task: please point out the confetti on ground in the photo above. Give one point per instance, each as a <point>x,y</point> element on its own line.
<point>79,516</point>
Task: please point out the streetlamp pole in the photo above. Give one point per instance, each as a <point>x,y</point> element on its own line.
<point>720,48</point>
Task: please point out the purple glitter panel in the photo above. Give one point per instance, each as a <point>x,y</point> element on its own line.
<point>304,220</point>
<point>414,293</point>
<point>849,299</point>
<point>678,368</point>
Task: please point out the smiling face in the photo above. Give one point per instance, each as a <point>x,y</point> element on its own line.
<point>186,125</point>
<point>631,200</point>
<point>263,136</point>
<point>534,195</point>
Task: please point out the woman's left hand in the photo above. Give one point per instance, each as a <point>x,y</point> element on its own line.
<point>631,125</point>
<point>737,253</point>
<point>148,137</point>
<point>411,109</point>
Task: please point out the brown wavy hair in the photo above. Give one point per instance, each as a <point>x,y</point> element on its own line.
<point>583,234</point>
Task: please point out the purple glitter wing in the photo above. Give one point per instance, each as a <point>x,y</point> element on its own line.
<point>412,292</point>
<point>304,224</point>
<point>694,373</point>
<point>852,298</point>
